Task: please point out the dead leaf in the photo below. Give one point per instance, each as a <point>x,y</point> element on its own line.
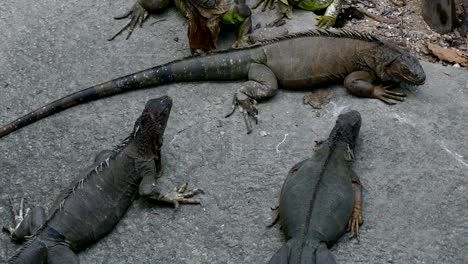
<point>318,97</point>
<point>449,55</point>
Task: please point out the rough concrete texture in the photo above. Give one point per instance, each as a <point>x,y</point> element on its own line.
<point>412,157</point>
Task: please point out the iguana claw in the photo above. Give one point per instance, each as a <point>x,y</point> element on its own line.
<point>354,222</point>
<point>382,93</point>
<point>266,3</point>
<point>247,106</point>
<point>138,15</point>
<point>325,21</point>
<point>179,196</point>
<point>17,218</point>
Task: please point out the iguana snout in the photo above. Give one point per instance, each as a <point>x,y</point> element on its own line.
<point>347,128</point>
<point>154,117</point>
<point>147,135</point>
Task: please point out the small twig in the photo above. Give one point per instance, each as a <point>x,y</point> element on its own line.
<point>157,21</point>
<point>379,18</point>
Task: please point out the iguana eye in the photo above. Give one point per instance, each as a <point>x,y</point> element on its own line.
<point>405,69</point>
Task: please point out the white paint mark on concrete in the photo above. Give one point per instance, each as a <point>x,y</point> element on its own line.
<point>279,144</point>
<point>402,119</point>
<point>457,156</point>
<point>176,135</point>
<point>336,110</point>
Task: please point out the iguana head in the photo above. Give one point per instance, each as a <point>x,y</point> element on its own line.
<point>147,135</point>
<point>397,65</point>
<point>346,128</point>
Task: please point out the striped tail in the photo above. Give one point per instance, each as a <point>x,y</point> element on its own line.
<point>230,65</point>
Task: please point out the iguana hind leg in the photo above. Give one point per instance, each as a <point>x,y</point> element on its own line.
<point>359,83</point>
<point>59,254</point>
<point>25,222</point>
<point>356,217</point>
<point>262,85</point>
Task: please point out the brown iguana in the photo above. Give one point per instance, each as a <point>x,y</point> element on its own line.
<point>321,197</point>
<point>204,16</point>
<point>297,61</point>
<point>92,206</point>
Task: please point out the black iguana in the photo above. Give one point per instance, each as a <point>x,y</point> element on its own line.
<point>205,17</point>
<point>321,197</point>
<point>297,61</point>
<point>95,204</point>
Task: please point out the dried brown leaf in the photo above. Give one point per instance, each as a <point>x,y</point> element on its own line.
<point>449,55</point>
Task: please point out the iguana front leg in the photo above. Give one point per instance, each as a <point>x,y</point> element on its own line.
<point>239,15</point>
<point>359,83</point>
<point>356,218</point>
<point>139,13</point>
<point>330,16</point>
<point>262,85</point>
<point>25,222</point>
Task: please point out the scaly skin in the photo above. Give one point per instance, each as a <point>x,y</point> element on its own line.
<point>464,27</point>
<point>204,17</point>
<point>321,197</point>
<point>91,208</point>
<point>297,61</point>
<point>332,7</point>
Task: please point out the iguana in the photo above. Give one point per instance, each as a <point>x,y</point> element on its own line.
<point>321,197</point>
<point>205,17</point>
<point>464,23</point>
<point>297,61</point>
<point>332,9</point>
<point>93,205</point>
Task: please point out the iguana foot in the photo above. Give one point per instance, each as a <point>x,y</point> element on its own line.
<point>382,93</point>
<point>247,106</point>
<point>355,221</point>
<point>266,3</point>
<point>325,21</point>
<point>137,15</point>
<point>179,196</point>
<point>17,219</point>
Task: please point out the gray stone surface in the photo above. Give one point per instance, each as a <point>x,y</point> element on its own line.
<point>412,157</point>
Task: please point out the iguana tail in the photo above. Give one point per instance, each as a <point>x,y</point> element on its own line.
<point>33,251</point>
<point>227,65</point>
<point>290,253</point>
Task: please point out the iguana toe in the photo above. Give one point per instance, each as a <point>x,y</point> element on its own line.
<point>17,218</point>
<point>382,93</point>
<point>354,222</point>
<point>248,108</point>
<point>325,21</point>
<point>137,14</point>
<point>180,195</point>
<point>266,3</point>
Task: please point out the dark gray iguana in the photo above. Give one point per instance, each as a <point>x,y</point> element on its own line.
<point>321,197</point>
<point>204,16</point>
<point>95,204</point>
<point>297,61</point>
